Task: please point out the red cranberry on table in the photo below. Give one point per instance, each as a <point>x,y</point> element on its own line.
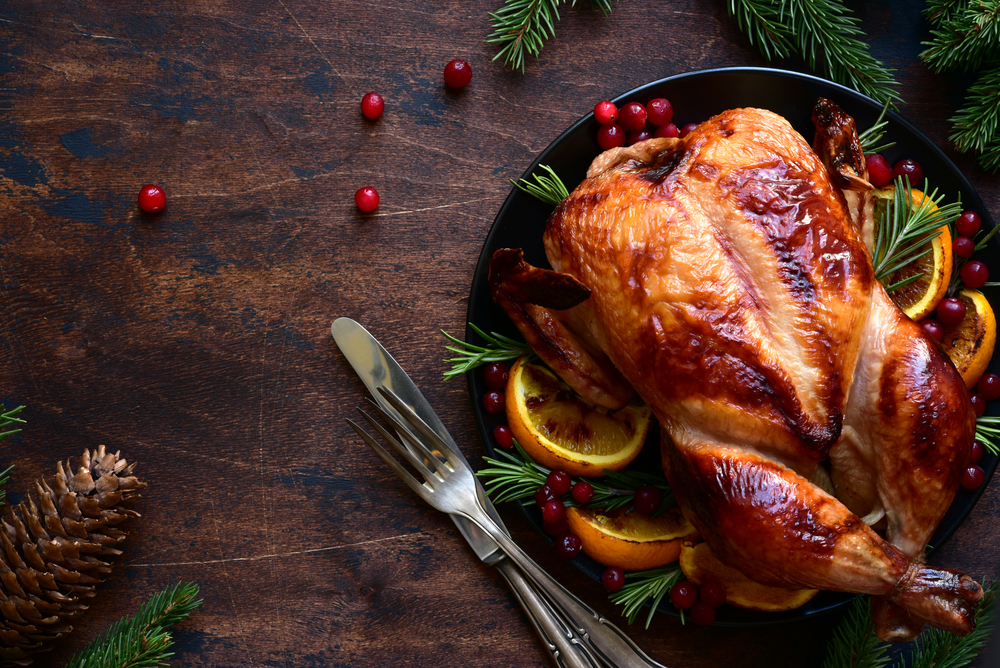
<point>974,273</point>
<point>605,112</point>
<point>951,311</point>
<point>636,137</point>
<point>152,198</point>
<point>978,404</point>
<point>504,437</point>
<point>712,593</point>
<point>976,452</point>
<point>543,495</point>
<point>659,111</point>
<point>647,499</point>
<point>568,546</point>
<point>683,594</point>
<point>668,130</point>
<point>934,329</point>
<point>457,74</point>
<point>989,387</point>
<point>613,579</point>
<point>964,247</point>
<point>610,136</point>
<point>559,482</point>
<point>583,492</point>
<point>553,511</point>
<point>973,477</point>
<point>968,223</point>
<point>911,169</point>
<point>632,116</point>
<point>495,375</point>
<point>372,105</point>
<point>557,529</point>
<point>493,402</point>
<point>367,199</point>
<point>879,171</point>
<point>687,128</point>
<point>702,614</point>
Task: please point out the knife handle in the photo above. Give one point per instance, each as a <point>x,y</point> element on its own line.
<point>565,646</point>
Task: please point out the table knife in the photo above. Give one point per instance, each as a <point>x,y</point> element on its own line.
<point>376,368</point>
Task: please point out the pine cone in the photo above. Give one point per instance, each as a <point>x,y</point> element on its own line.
<point>56,546</point>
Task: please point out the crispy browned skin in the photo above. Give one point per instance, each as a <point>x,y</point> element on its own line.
<point>731,286</point>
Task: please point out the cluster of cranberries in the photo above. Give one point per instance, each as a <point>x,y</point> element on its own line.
<point>632,119</point>
<point>457,74</point>
<point>700,603</point>
<point>881,174</point>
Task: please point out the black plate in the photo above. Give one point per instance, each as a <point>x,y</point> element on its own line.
<point>697,96</point>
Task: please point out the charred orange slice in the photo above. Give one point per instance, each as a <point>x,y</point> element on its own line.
<point>561,430</point>
<point>970,343</point>
<point>699,564</point>
<point>628,540</point>
<point>919,298</point>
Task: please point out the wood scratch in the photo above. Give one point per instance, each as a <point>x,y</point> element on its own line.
<point>431,208</point>
<point>262,557</point>
<point>229,586</point>
<point>313,42</point>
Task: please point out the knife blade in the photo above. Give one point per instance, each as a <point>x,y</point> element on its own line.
<point>376,368</point>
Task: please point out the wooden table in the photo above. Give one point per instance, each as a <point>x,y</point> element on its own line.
<point>197,340</point>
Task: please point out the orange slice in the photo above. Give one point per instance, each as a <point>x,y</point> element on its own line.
<point>699,564</point>
<point>970,343</point>
<point>919,298</point>
<point>628,540</point>
<point>561,430</point>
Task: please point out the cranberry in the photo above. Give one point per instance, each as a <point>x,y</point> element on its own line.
<point>495,375</point>
<point>632,116</point>
<point>560,528</point>
<point>367,199</point>
<point>974,273</point>
<point>559,482</point>
<point>964,247</point>
<point>613,579</point>
<point>605,112</point>
<point>683,594</point>
<point>659,111</point>
<point>503,437</point>
<point>911,169</point>
<point>543,495</point>
<point>610,136</point>
<point>553,511</point>
<point>583,492</point>
<point>636,137</point>
<point>152,198</point>
<point>668,130</point>
<point>688,128</point>
<point>976,453</point>
<point>973,477</point>
<point>712,592</point>
<point>493,402</point>
<point>879,171</point>
<point>978,404</point>
<point>568,546</point>
<point>647,499</point>
<point>968,223</point>
<point>989,387</point>
<point>934,329</point>
<point>951,311</point>
<point>702,614</point>
<point>372,106</point>
<point>457,74</point>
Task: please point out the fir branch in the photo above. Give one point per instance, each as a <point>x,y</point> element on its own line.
<point>550,189</point>
<point>854,644</point>
<point>498,348</point>
<point>937,11</point>
<point>976,126</point>
<point>7,418</point>
<point>645,586</point>
<point>940,649</point>
<point>142,640</point>
<point>824,34</point>
<point>965,40</point>
<point>4,477</point>
<point>522,26</point>
<point>988,433</point>
<point>904,228</point>
<point>871,137</point>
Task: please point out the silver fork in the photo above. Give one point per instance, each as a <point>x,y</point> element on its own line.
<point>450,487</point>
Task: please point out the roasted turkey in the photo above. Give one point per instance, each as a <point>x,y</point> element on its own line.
<point>813,434</point>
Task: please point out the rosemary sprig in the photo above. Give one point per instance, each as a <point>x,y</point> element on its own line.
<point>904,228</point>
<point>498,348</point>
<point>643,586</point>
<point>871,137</point>
<point>550,189</point>
<point>8,418</point>
<point>988,433</point>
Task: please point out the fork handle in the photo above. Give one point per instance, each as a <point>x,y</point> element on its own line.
<point>566,647</point>
<point>607,641</point>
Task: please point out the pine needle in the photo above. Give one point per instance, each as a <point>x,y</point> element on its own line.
<point>854,644</point>
<point>549,189</point>
<point>975,126</point>
<point>8,418</point>
<point>965,40</point>
<point>142,640</point>
<point>645,586</point>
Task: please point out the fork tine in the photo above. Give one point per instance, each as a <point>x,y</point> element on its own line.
<point>410,457</point>
<point>422,427</point>
<point>438,458</point>
<point>422,491</point>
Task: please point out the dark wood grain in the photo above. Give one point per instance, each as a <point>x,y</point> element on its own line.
<point>197,341</point>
